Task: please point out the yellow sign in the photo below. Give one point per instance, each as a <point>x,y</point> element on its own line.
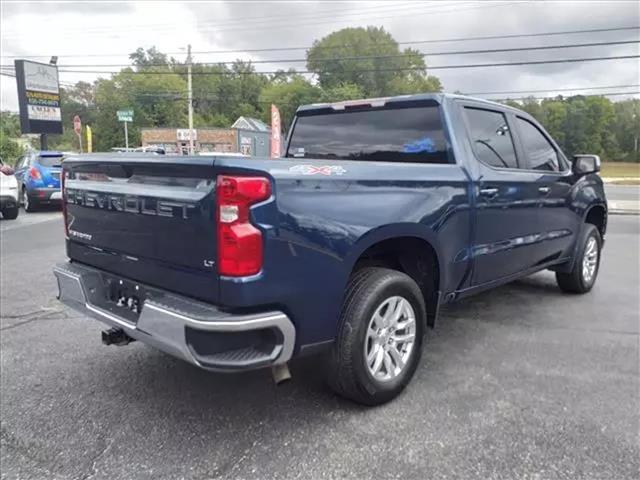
<point>89,142</point>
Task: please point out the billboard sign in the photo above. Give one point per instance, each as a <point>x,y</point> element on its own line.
<point>38,97</point>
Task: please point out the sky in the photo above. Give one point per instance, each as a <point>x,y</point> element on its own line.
<point>103,33</point>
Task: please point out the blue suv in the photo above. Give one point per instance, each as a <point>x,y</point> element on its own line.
<point>38,175</point>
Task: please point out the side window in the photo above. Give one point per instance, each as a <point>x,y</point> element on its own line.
<point>539,152</point>
<point>491,138</point>
<point>22,162</point>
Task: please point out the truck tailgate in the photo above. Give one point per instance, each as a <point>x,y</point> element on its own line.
<point>146,217</point>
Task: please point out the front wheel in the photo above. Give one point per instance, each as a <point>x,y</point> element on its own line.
<point>10,213</point>
<point>379,342</point>
<point>586,265</point>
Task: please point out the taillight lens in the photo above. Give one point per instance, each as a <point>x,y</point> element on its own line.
<point>63,176</point>
<point>239,242</point>
<point>34,173</point>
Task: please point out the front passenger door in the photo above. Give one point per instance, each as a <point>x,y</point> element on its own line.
<point>542,158</point>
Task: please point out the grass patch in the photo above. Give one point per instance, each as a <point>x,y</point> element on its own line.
<point>620,169</point>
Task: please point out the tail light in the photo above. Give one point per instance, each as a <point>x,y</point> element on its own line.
<point>34,173</point>
<point>63,176</point>
<point>239,242</point>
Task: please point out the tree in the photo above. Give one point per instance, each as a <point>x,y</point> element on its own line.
<point>10,149</point>
<point>626,128</point>
<point>151,57</point>
<point>288,96</point>
<point>344,91</point>
<point>222,92</point>
<point>370,58</point>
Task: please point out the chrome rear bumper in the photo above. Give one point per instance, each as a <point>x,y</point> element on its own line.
<point>188,329</point>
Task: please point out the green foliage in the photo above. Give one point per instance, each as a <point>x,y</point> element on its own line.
<point>341,58</point>
<point>591,124</point>
<point>343,91</point>
<point>288,95</point>
<point>10,149</point>
<point>626,127</point>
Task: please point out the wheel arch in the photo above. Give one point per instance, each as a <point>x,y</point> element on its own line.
<point>410,248</point>
<point>597,215</point>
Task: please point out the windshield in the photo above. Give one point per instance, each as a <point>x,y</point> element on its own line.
<point>50,161</point>
<point>390,134</point>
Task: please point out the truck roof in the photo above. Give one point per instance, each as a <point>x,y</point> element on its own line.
<point>438,97</point>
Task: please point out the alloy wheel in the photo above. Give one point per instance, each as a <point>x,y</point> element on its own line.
<point>390,338</point>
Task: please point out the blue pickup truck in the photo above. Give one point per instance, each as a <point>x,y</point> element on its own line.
<point>380,212</point>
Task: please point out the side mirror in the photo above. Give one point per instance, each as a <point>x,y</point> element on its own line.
<point>584,164</point>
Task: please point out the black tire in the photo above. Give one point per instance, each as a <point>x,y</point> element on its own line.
<point>349,375</point>
<point>10,213</point>
<point>28,203</point>
<point>575,280</point>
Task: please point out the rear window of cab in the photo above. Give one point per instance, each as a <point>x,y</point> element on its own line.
<point>400,132</point>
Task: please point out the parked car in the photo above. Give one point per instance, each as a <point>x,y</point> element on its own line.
<point>9,203</point>
<point>381,212</point>
<point>38,175</point>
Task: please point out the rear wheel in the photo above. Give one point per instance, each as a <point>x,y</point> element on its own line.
<point>379,342</point>
<point>29,204</point>
<point>586,265</point>
<point>10,213</point>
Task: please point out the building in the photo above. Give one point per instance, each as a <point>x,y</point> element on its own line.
<point>249,123</point>
<point>247,135</point>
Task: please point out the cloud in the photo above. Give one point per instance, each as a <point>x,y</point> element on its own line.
<point>118,28</point>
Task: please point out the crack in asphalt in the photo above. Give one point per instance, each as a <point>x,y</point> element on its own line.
<point>43,310</point>
<point>43,316</point>
<point>94,462</point>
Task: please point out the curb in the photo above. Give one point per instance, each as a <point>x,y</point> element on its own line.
<point>624,212</point>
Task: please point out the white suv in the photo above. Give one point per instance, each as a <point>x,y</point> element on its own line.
<point>9,204</point>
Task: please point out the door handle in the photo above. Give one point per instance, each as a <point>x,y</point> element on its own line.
<point>543,190</point>
<point>489,192</point>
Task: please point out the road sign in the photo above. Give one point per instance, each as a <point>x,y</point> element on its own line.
<point>77,125</point>
<point>125,115</point>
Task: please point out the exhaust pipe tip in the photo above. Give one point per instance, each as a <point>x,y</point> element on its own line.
<point>280,373</point>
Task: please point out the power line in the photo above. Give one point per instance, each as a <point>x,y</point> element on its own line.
<point>553,90</point>
<point>410,42</point>
<point>368,57</point>
<point>369,70</point>
<point>263,19</point>
<point>173,93</point>
<point>577,95</point>
<point>331,20</point>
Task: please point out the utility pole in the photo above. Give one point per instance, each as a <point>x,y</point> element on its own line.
<point>190,97</point>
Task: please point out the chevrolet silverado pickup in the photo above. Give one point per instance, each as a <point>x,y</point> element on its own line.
<point>380,212</point>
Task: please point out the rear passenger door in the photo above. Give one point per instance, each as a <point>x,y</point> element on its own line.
<point>543,159</point>
<point>507,198</point>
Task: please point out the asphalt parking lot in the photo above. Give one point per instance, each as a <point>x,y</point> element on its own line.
<point>520,382</point>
